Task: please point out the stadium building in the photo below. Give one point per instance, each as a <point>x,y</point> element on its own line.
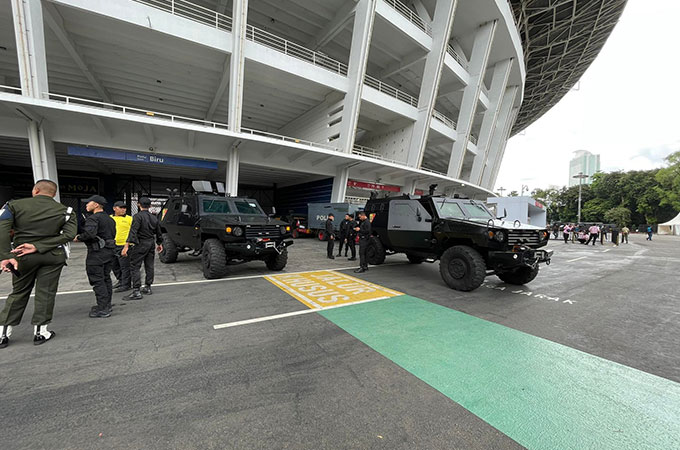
<point>289,101</point>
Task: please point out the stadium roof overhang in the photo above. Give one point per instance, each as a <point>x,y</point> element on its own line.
<point>561,38</point>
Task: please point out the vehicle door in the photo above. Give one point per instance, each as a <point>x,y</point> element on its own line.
<point>169,215</point>
<point>409,225</point>
<point>188,234</point>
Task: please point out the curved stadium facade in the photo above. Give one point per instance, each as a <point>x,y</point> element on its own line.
<point>270,94</point>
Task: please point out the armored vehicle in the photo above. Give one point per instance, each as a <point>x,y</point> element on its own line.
<point>223,231</point>
<point>463,234</point>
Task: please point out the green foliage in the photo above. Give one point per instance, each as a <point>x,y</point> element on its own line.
<point>594,210</point>
<point>619,215</point>
<point>513,194</point>
<point>668,178</point>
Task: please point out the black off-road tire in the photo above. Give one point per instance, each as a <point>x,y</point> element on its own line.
<point>277,261</point>
<point>375,253</point>
<point>520,276</point>
<point>214,259</point>
<point>462,268</point>
<point>415,259</point>
<point>170,252</point>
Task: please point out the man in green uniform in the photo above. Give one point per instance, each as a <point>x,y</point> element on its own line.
<point>42,229</point>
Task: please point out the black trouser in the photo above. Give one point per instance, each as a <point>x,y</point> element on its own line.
<point>330,245</point>
<point>142,253</point>
<point>121,268</point>
<point>99,275</point>
<point>566,237</point>
<point>593,237</point>
<point>41,270</point>
<point>615,237</point>
<point>363,246</point>
<point>342,243</point>
<point>351,246</point>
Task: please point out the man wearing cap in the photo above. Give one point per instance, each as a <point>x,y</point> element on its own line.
<point>99,235</point>
<point>121,264</point>
<point>364,231</point>
<point>140,247</point>
<point>42,228</point>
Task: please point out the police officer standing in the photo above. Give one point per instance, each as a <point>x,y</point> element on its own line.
<point>121,264</point>
<point>42,230</point>
<point>351,238</point>
<point>364,230</point>
<point>330,236</point>
<point>140,248</point>
<point>99,235</point>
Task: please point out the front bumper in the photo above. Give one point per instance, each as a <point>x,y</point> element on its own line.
<point>524,256</point>
<point>256,247</point>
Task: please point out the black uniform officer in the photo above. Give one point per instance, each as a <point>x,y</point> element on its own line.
<point>140,248</point>
<point>364,230</point>
<point>99,235</point>
<point>343,234</point>
<point>330,236</point>
<point>42,230</point>
<point>351,238</point>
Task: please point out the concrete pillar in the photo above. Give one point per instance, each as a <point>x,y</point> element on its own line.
<point>41,148</point>
<point>237,63</point>
<point>434,62</point>
<point>481,49</point>
<point>340,185</point>
<point>499,82</point>
<point>358,59</point>
<point>30,40</point>
<point>231,183</point>
<point>410,186</point>
<point>499,159</point>
<point>499,134</point>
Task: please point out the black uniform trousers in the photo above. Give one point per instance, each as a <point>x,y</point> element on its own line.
<point>363,246</point>
<point>98,267</point>
<point>593,237</point>
<point>41,271</point>
<point>121,268</point>
<point>142,253</point>
<point>351,245</point>
<point>330,246</point>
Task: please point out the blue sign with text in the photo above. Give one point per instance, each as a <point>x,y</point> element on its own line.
<point>148,158</point>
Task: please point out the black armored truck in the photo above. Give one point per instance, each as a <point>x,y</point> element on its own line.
<point>223,231</point>
<point>470,242</point>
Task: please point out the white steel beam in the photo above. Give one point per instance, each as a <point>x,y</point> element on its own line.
<point>30,41</point>
<point>219,93</point>
<point>231,182</point>
<point>481,49</point>
<point>500,132</point>
<point>499,81</point>
<point>340,185</point>
<point>358,59</point>
<point>422,11</point>
<point>499,160</point>
<point>56,24</point>
<point>237,63</point>
<point>404,63</point>
<point>434,63</point>
<point>101,126</point>
<point>336,25</point>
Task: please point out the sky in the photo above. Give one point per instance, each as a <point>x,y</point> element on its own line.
<point>626,107</point>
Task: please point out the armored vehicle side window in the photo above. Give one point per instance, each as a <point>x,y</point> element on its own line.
<point>449,210</point>
<point>215,206</point>
<point>476,211</point>
<point>247,207</point>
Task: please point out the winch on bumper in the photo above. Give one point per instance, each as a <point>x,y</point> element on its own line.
<point>518,257</point>
<point>258,246</point>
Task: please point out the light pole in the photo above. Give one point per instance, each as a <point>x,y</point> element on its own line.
<point>501,189</point>
<point>524,188</point>
<point>580,177</point>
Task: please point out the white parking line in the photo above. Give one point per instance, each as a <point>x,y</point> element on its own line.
<point>576,259</point>
<point>605,251</point>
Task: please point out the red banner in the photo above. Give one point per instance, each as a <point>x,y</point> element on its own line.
<point>419,192</point>
<point>373,186</point>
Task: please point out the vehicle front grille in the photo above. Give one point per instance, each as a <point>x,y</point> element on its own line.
<point>526,237</point>
<point>263,231</point>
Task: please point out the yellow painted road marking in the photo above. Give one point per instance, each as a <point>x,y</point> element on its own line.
<point>322,289</point>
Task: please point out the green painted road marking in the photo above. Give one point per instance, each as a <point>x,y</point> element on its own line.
<point>541,394</point>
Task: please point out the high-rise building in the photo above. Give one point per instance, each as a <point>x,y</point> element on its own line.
<point>583,162</point>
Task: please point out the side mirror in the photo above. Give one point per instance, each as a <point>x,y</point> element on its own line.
<point>505,214</point>
<point>420,217</point>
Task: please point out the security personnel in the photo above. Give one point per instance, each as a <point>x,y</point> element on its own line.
<point>330,236</point>
<point>344,234</point>
<point>351,238</point>
<point>121,264</point>
<point>42,230</point>
<point>99,234</point>
<point>364,230</point>
<point>140,248</point>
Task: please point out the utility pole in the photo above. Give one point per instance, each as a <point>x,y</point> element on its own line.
<point>524,188</point>
<point>580,177</point>
<point>501,189</point>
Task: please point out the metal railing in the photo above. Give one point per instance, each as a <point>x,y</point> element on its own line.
<point>11,89</point>
<point>286,47</point>
<point>445,120</point>
<point>473,139</point>
<point>451,51</point>
<point>191,11</point>
<point>391,91</point>
<point>368,152</point>
<point>280,137</point>
<point>433,171</point>
<point>410,15</point>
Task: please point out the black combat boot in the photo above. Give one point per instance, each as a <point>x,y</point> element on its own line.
<point>135,295</point>
<point>4,335</point>
<point>146,289</point>
<point>100,313</point>
<point>41,334</point>
<point>121,288</point>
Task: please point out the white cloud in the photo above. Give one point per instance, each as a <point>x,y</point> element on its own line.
<point>625,108</point>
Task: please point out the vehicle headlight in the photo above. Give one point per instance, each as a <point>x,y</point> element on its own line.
<point>238,231</point>
<point>500,236</point>
<point>544,235</point>
<point>285,229</point>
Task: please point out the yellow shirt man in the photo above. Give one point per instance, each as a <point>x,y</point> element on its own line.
<point>123,223</point>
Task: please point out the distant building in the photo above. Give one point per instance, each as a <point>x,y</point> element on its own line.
<point>583,162</point>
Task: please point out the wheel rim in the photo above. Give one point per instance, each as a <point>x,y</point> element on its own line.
<point>457,268</point>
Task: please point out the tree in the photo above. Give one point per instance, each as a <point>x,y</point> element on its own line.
<point>619,215</point>
<point>513,194</point>
<point>669,182</point>
<point>595,209</point>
